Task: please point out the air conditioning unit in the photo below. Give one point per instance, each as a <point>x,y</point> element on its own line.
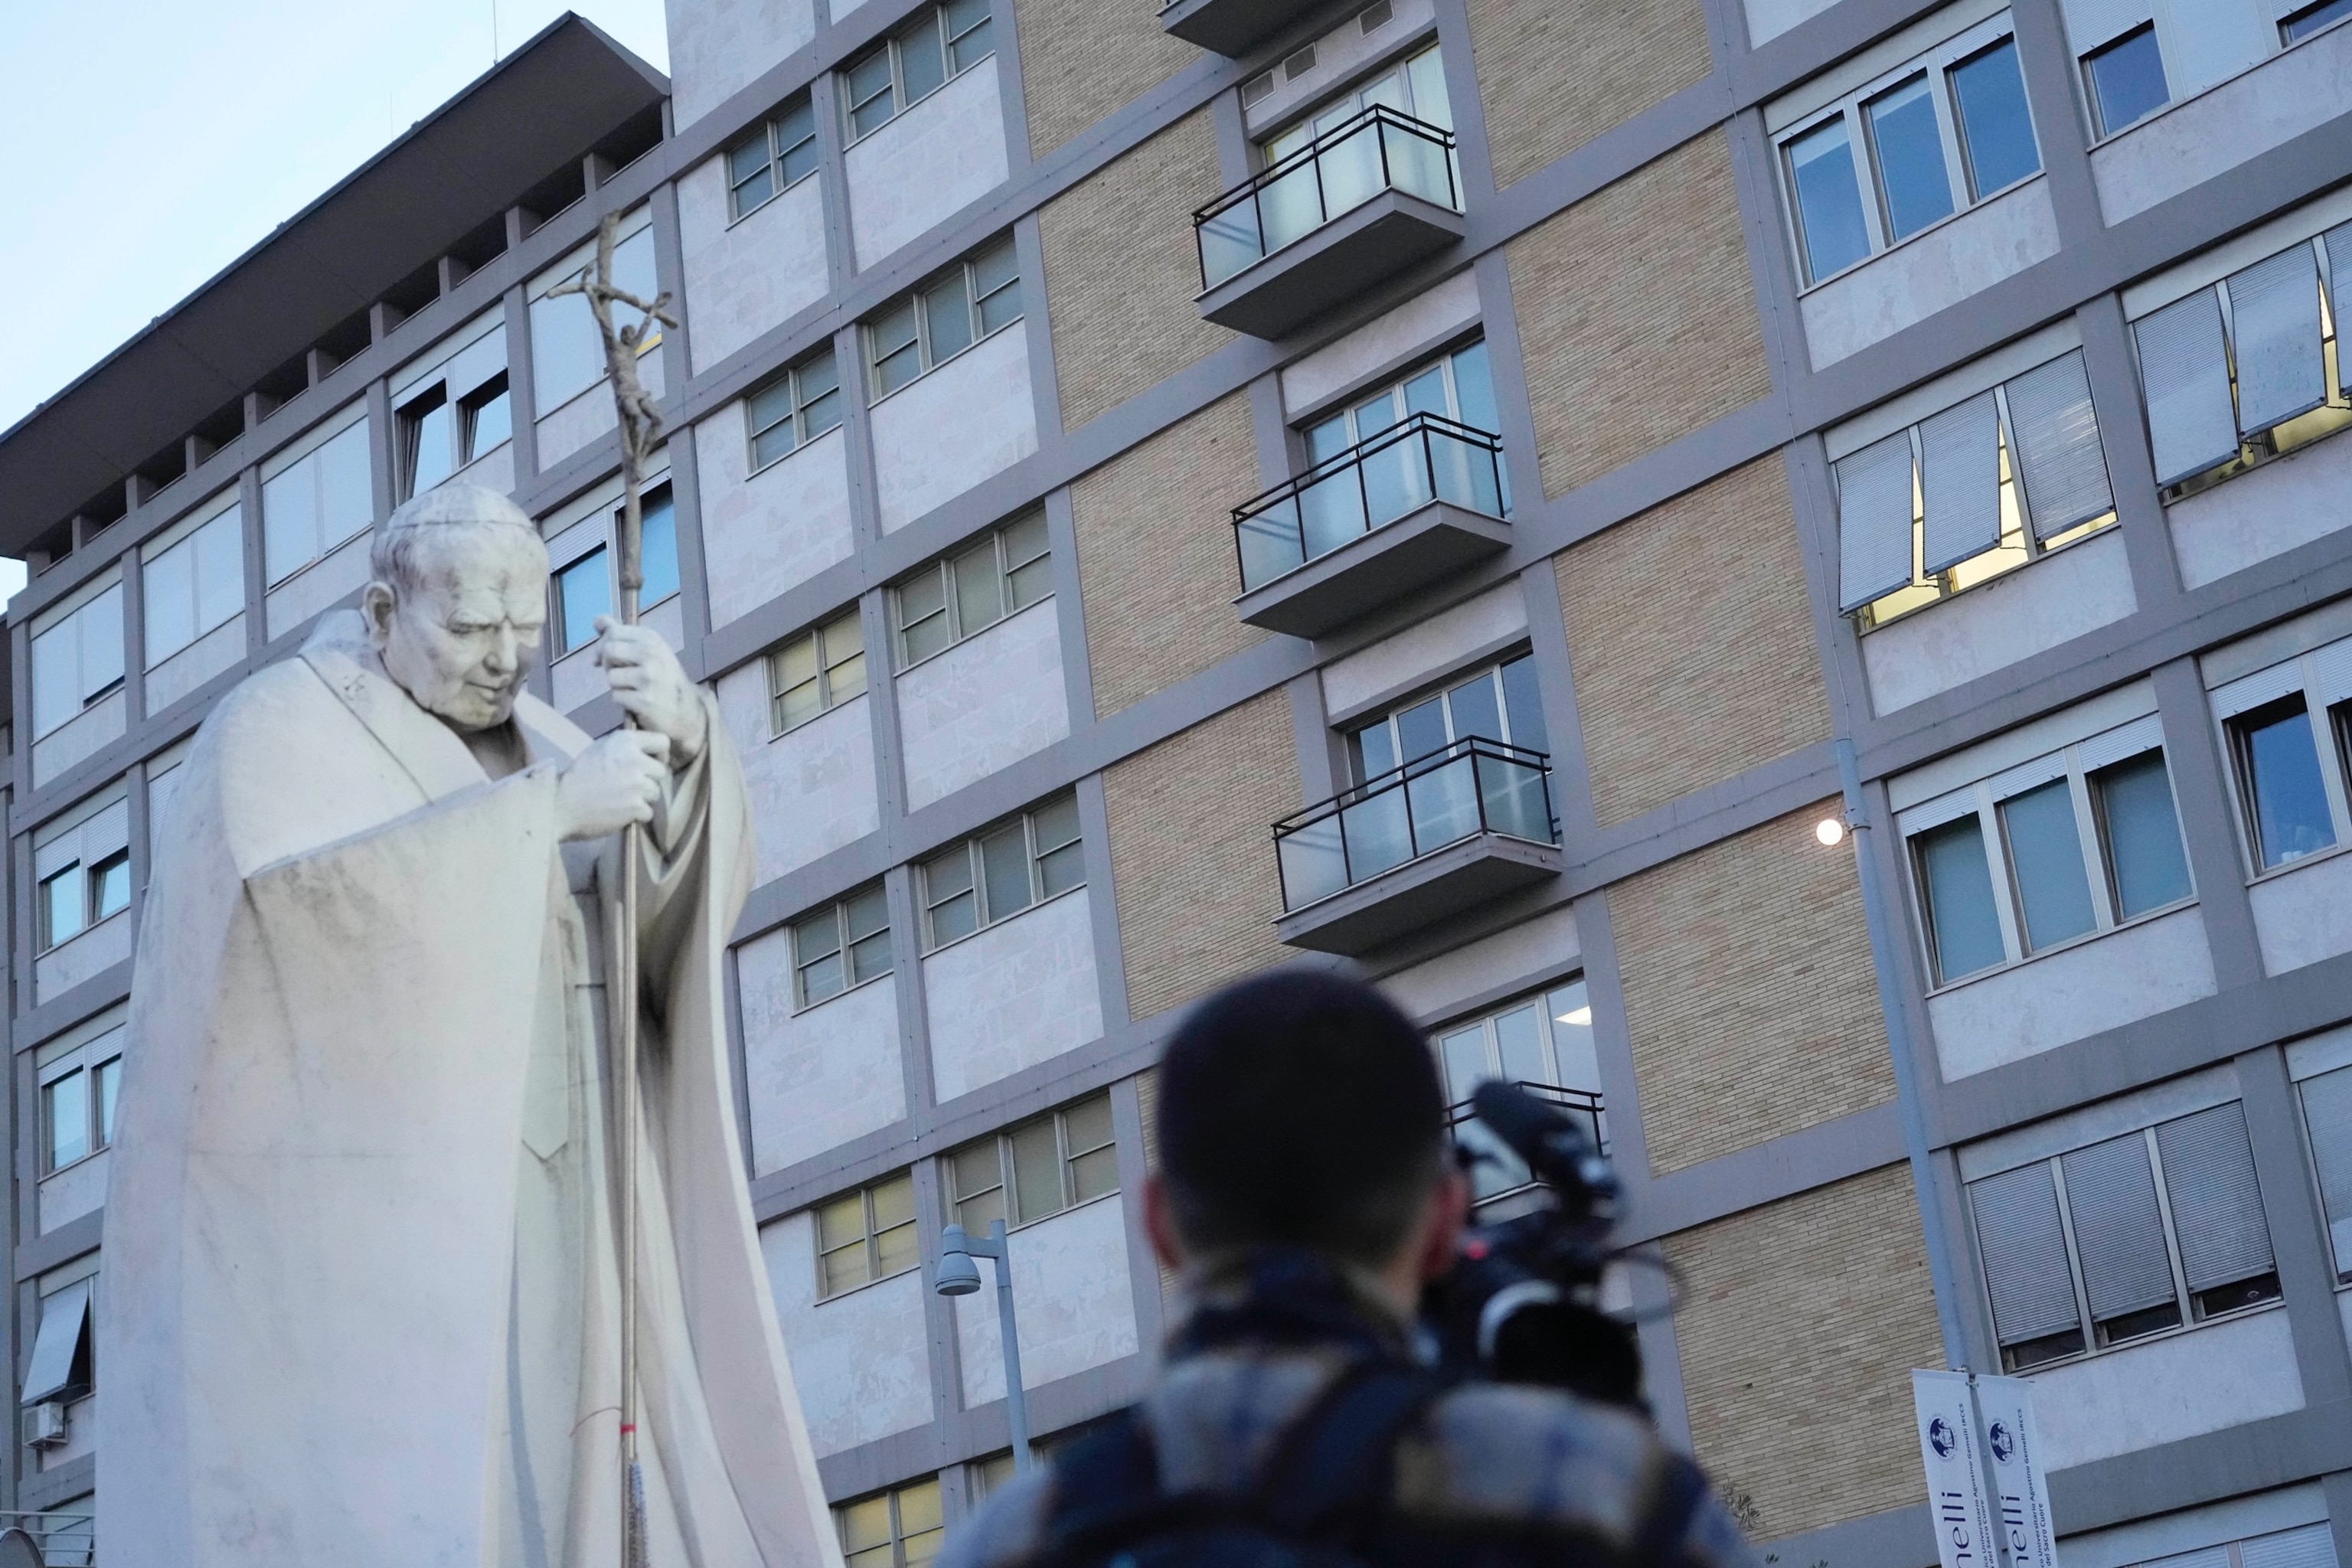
<point>44,1423</point>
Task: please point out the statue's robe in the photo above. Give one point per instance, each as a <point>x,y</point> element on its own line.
<point>362,1291</point>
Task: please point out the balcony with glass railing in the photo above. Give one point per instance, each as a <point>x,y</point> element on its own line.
<point>1416,845</point>
<point>1356,206</point>
<point>1495,1171</point>
<point>1230,27</point>
<point>1393,513</point>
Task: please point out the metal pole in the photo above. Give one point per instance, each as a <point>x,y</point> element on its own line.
<point>1016,1399</point>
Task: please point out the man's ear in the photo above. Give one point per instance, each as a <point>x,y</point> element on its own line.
<point>377,602</point>
<point>1159,1222</point>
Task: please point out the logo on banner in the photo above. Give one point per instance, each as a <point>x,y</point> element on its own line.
<point>2003,1440</point>
<point>1941,1437</point>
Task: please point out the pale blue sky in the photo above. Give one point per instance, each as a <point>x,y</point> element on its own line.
<point>151,143</point>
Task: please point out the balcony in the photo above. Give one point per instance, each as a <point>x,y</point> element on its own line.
<point>1497,1172</point>
<point>1417,845</point>
<point>1418,501</point>
<point>1230,27</point>
<point>1354,206</point>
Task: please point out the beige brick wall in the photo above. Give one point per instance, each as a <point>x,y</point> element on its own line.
<point>1800,1325</point>
<point>1192,855</point>
<point>1082,58</point>
<point>1637,316</point>
<point>1156,553</point>
<point>1555,76</point>
<point>1121,270</point>
<point>1692,641</point>
<point>1748,991</point>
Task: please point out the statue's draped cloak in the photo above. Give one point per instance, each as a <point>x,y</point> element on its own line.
<point>361,1304</point>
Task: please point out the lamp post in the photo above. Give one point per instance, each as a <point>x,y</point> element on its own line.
<point>958,1276</point>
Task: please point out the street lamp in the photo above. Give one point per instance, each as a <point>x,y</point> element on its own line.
<point>958,1276</point>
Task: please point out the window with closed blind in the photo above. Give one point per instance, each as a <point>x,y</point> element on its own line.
<point>866,1235</point>
<point>1035,1170</point>
<point>2122,1238</point>
<point>900,1528</point>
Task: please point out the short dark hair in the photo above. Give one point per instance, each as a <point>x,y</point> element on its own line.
<point>1299,1108</point>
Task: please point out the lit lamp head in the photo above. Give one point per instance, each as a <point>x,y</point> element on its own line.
<point>958,1276</point>
<point>1830,830</point>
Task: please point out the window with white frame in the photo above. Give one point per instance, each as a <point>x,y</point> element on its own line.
<point>866,1235</point>
<point>60,1367</point>
<point>1455,385</point>
<point>590,586</point>
<point>962,594</point>
<point>316,501</point>
<point>816,671</point>
<point>2248,368</point>
<point>1414,87</point>
<point>77,659</point>
<point>1909,149</point>
<point>567,351</point>
<point>840,946</point>
<point>192,586</point>
<point>2328,1114</point>
<point>1976,491</point>
<point>76,897</point>
<point>779,154</point>
<point>78,1095</point>
<point>795,408</point>
<point>1035,1170</point>
<point>976,297</point>
<point>994,876</point>
<point>1499,703</point>
<point>2286,729</point>
<point>2122,1238</point>
<point>2136,56</point>
<point>900,1528</point>
<point>452,414</point>
<point>2047,853</point>
<point>942,42</point>
<point>1542,1043</point>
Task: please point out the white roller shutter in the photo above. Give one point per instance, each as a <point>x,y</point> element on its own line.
<point>2055,437</point>
<point>1874,521</point>
<point>1959,478</point>
<point>2274,322</point>
<point>2118,1229</point>
<point>2185,372</point>
<point>2312,1546</point>
<point>2217,1204</point>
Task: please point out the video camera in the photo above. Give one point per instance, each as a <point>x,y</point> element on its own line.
<point>1523,1303</point>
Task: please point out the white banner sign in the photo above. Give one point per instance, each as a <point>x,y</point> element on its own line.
<point>1958,1497</point>
<point>2020,1486</point>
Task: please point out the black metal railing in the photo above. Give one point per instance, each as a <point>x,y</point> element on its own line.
<point>1497,1170</point>
<point>1371,484</point>
<point>1340,170</point>
<point>1471,786</point>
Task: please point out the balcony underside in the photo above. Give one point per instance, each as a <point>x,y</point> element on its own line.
<point>1273,297</point>
<point>1374,569</point>
<point>1230,27</point>
<point>1437,887</point>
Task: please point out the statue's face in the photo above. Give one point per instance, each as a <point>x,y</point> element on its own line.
<point>459,645</point>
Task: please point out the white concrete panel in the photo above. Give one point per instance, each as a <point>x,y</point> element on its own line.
<point>2220,1375</point>
<point>928,164</point>
<point>2147,1540</point>
<point>83,736</point>
<point>493,470</point>
<point>936,438</point>
<point>2015,1013</point>
<point>775,529</point>
<point>217,650</point>
<point>812,788</point>
<point>566,429</point>
<point>1420,324</point>
<point>982,705</point>
<point>1508,958</point>
<point>1074,1306</point>
<point>91,953</point>
<point>716,48</point>
<point>2263,513</point>
<point>2001,623</point>
<point>318,587</point>
<point>1019,993</point>
<point>2208,135</point>
<point>2304,915</point>
<point>1931,272</point>
<point>1771,18</point>
<point>861,1360</point>
<point>744,278</point>
<point>1423,651</point>
<point>820,1078</point>
<point>76,1190</point>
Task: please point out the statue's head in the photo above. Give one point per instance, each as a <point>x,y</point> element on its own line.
<point>459,598</point>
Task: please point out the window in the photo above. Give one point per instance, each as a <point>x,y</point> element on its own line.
<point>76,898</point>
<point>194,586</point>
<point>780,153</point>
<point>2247,369</point>
<point>2312,19</point>
<point>966,594</point>
<point>567,352</point>
<point>77,1110</point>
<point>901,1528</point>
<point>587,589</point>
<point>2125,79</point>
<point>1050,1164</point>
<point>60,1366</point>
<point>905,69</point>
<point>943,318</point>
<point>1908,150</point>
<point>1457,386</point>
<point>316,503</point>
<point>866,1236</point>
<point>1544,1043</point>
<point>1499,703</point>
<point>2286,729</point>
<point>845,944</point>
<point>1981,489</point>
<point>793,409</point>
<point>78,659</point>
<point>2087,839</point>
<point>1416,86</point>
<point>485,419</point>
<point>437,437</point>
<point>818,671</point>
<point>2125,1238</point>
<point>994,877</point>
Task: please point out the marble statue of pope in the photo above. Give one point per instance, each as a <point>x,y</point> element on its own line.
<point>362,1245</point>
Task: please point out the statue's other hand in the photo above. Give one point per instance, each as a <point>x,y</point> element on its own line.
<point>614,783</point>
<point>651,687</point>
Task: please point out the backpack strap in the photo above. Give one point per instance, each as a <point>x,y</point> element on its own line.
<point>1675,1497</point>
<point>1109,1476</point>
<point>1331,1474</point>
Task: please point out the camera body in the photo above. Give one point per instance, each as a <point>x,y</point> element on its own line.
<point>1522,1304</point>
